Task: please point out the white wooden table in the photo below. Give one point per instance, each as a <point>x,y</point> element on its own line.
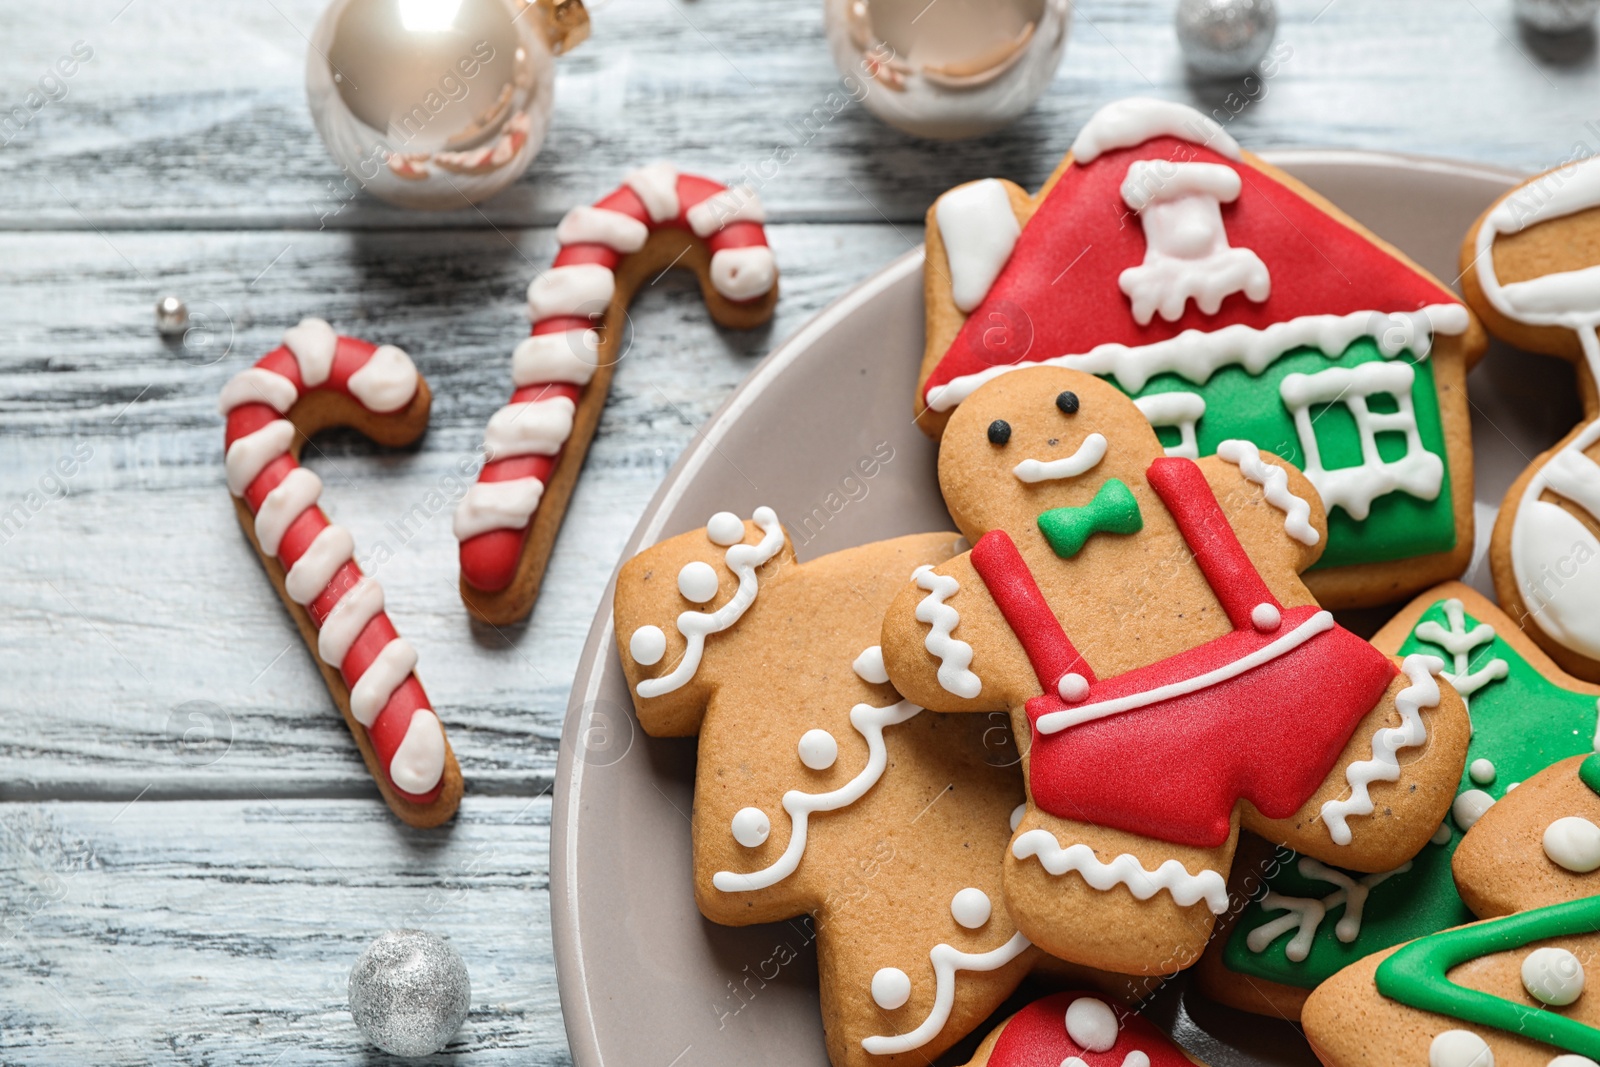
<point>165,900</point>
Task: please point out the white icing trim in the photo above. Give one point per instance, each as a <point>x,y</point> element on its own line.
<point>1274,483</point>
<point>602,226</point>
<point>1564,298</point>
<point>1304,915</point>
<point>257,385</point>
<point>418,763</point>
<point>720,210</point>
<point>955,656</point>
<point>869,666</point>
<point>299,490</point>
<point>313,344</point>
<point>1180,409</point>
<point>1418,472</point>
<point>1135,120</point>
<point>696,626</point>
<point>331,549</point>
<point>360,604</point>
<point>249,455</point>
<point>979,231</point>
<point>744,273</point>
<point>1384,766</point>
<point>869,723</point>
<point>576,289</point>
<point>386,382</point>
<point>529,428</point>
<point>946,962</point>
<point>1187,255</point>
<point>1548,542</point>
<point>391,666</point>
<point>1197,355</point>
<point>571,356</point>
<point>656,186</point>
<point>1171,876</point>
<point>1056,721</point>
<point>1460,643</point>
<point>1085,458</point>
<point>505,505</point>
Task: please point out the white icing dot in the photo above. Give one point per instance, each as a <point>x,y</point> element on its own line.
<point>1091,1024</point>
<point>1016,816</point>
<point>1459,1048</point>
<point>1573,843</point>
<point>971,907</point>
<point>697,581</point>
<point>818,749</point>
<point>1441,836</point>
<point>1553,976</point>
<point>647,645</point>
<point>1469,808</point>
<point>869,665</point>
<point>725,528</point>
<point>1572,1059</point>
<point>891,988</point>
<point>1073,687</point>
<point>751,827</point>
<point>1512,786</point>
<point>1266,618</point>
<point>1481,771</point>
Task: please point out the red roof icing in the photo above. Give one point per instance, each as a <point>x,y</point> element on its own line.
<point>1062,275</point>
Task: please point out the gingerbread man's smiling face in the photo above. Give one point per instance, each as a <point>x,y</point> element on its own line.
<point>1046,451</point>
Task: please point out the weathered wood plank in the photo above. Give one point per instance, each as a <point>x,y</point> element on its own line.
<point>192,114</point>
<point>134,594</point>
<point>224,932</point>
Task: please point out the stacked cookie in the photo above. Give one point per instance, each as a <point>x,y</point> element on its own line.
<point>1108,726</point>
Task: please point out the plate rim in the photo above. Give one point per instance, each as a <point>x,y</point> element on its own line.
<point>571,979</point>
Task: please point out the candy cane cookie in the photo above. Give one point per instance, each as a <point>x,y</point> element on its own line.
<point>315,380</point>
<point>534,445</point>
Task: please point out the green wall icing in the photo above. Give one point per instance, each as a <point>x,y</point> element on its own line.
<point>1239,404</point>
<point>1522,723</point>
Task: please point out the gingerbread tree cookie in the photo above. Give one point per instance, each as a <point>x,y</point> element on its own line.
<point>1142,619</point>
<point>1311,920</point>
<point>1232,303</point>
<point>1509,991</point>
<point>819,790</point>
<point>1531,268</point>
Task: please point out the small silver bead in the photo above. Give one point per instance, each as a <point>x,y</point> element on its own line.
<point>1557,16</point>
<point>172,315</point>
<point>409,992</point>
<point>1225,38</point>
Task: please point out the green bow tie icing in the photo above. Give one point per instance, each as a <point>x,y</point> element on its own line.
<point>1113,510</point>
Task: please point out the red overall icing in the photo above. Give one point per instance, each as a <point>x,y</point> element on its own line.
<point>388,730</point>
<point>489,560</point>
<point>1318,266</point>
<point>1175,769</point>
<point>1037,1037</point>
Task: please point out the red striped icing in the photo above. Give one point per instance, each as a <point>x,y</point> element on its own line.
<point>489,559</point>
<point>389,728</point>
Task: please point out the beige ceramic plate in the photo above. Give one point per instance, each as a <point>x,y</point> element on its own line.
<point>645,981</point>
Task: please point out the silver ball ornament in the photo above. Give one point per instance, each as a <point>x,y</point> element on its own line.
<point>1557,16</point>
<point>950,69</point>
<point>435,104</point>
<point>1225,38</point>
<point>172,316</point>
<point>409,992</point>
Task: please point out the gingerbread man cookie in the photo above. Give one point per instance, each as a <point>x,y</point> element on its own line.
<point>315,380</point>
<point>1532,269</point>
<point>1232,303</point>
<point>819,790</point>
<point>1078,1030</point>
<point>535,444</point>
<point>1142,619</point>
<point>1510,991</point>
<point>1310,919</point>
